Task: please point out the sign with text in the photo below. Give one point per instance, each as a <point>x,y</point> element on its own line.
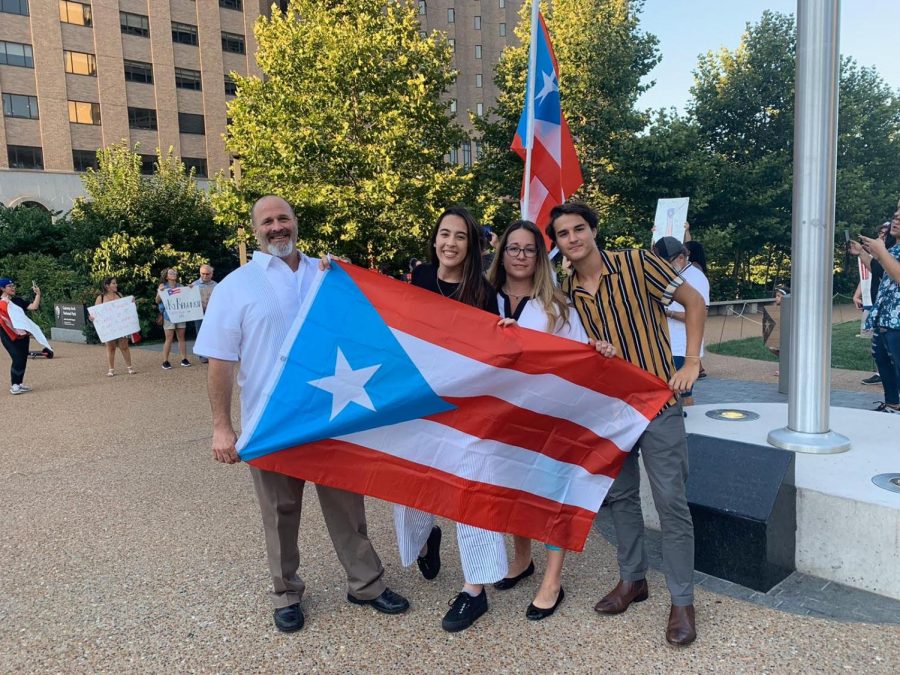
<point>116,319</point>
<point>69,315</point>
<point>182,303</point>
<point>671,215</point>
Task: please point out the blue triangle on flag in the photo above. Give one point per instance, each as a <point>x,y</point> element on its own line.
<point>345,372</point>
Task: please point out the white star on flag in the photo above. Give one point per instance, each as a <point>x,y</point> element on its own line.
<point>549,87</point>
<point>346,386</point>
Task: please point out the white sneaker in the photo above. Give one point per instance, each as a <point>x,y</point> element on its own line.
<point>17,389</point>
<point>24,387</point>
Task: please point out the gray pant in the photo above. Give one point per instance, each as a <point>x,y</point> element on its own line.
<point>664,447</point>
<point>280,501</point>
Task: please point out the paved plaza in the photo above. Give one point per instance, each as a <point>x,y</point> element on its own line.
<point>125,548</point>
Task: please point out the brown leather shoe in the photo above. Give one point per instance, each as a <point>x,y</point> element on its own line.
<point>625,592</point>
<point>681,630</point>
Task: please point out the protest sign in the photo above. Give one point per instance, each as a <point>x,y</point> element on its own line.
<point>671,215</point>
<point>115,319</point>
<point>182,303</point>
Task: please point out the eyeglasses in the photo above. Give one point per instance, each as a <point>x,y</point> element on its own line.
<point>516,251</point>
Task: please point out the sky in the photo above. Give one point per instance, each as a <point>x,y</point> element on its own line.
<point>688,28</point>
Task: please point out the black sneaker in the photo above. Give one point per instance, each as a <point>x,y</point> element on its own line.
<point>464,611</point>
<point>430,563</point>
<point>875,379</point>
<point>185,363</point>
<point>885,408</point>
<point>166,365</point>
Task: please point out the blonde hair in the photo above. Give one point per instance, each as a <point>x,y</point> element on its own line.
<point>553,300</point>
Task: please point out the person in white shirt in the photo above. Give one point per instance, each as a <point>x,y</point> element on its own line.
<point>522,276</point>
<point>672,250</point>
<point>247,321</point>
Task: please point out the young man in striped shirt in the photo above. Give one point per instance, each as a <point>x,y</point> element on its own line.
<point>621,298</point>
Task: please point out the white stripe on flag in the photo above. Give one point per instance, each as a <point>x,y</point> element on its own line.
<point>454,375</point>
<point>452,451</point>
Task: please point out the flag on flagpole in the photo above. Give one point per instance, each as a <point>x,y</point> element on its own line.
<point>543,140</point>
<point>391,391</point>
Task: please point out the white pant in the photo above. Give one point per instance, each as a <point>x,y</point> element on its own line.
<point>482,552</point>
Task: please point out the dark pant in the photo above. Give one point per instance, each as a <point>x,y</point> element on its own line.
<point>887,358</point>
<point>18,352</point>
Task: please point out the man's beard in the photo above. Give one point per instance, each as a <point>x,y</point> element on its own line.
<point>282,250</point>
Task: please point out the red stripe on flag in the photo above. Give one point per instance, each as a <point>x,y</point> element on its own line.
<point>565,441</point>
<point>351,467</point>
<point>430,317</point>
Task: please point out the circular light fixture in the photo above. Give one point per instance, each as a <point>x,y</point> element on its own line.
<point>888,481</point>
<point>732,415</point>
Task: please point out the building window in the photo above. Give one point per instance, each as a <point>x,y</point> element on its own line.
<point>75,12</point>
<point>423,34</point>
<point>196,163</point>
<point>479,109</point>
<point>502,29</point>
<point>467,154</point>
<point>233,43</point>
<point>148,164</point>
<point>230,86</point>
<point>502,4</point>
<point>14,7</point>
<point>232,4</point>
<point>454,156</point>
<point>138,71</point>
<point>477,51</point>
<point>479,80</point>
<point>453,105</point>
<point>477,23</point>
<point>82,160</point>
<point>452,43</point>
<point>451,15</point>
<point>191,124</point>
<point>184,33</point>
<point>19,105</point>
<point>188,79</point>
<point>83,112</point>
<point>423,8</point>
<point>142,118</point>
<point>16,54</point>
<point>134,24</point>
<point>25,157</point>
<point>477,150</point>
<point>80,63</point>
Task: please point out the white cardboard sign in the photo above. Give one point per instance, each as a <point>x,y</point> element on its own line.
<point>671,215</point>
<point>182,303</point>
<point>115,319</point>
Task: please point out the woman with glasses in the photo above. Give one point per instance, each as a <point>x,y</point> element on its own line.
<point>169,280</point>
<point>455,272</point>
<point>522,277</point>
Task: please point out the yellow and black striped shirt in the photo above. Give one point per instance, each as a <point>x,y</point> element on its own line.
<point>629,307</point>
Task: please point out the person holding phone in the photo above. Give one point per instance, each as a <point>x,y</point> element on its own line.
<point>16,341</point>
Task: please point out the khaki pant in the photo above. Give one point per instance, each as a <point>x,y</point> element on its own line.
<point>280,502</point>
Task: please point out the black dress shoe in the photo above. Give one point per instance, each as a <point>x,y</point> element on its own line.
<point>537,613</point>
<point>386,603</point>
<point>509,582</point>
<point>430,563</point>
<point>464,611</point>
<point>288,619</point>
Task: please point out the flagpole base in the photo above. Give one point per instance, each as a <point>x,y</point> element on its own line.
<point>828,443</point>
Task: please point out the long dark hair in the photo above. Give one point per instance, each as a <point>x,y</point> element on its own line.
<point>472,288</point>
<point>696,254</point>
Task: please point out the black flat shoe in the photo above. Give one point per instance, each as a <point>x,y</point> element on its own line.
<point>510,582</point>
<point>430,563</point>
<point>288,619</point>
<point>537,613</point>
<point>386,603</point>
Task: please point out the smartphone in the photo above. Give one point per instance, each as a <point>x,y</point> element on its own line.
<point>33,285</point>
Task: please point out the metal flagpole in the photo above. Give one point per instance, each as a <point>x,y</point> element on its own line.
<point>529,110</point>
<point>812,245</point>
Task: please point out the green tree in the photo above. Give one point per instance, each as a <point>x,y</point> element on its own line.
<point>602,55</point>
<point>25,229</point>
<point>349,125</point>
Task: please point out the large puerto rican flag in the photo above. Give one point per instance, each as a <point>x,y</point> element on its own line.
<point>391,391</point>
<point>552,173</point>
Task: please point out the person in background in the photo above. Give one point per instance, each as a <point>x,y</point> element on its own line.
<point>877,272</point>
<point>109,291</point>
<point>522,276</point>
<point>697,257</point>
<point>488,246</point>
<point>170,280</point>
<point>16,341</point>
<point>672,250</point>
<point>206,285</point>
